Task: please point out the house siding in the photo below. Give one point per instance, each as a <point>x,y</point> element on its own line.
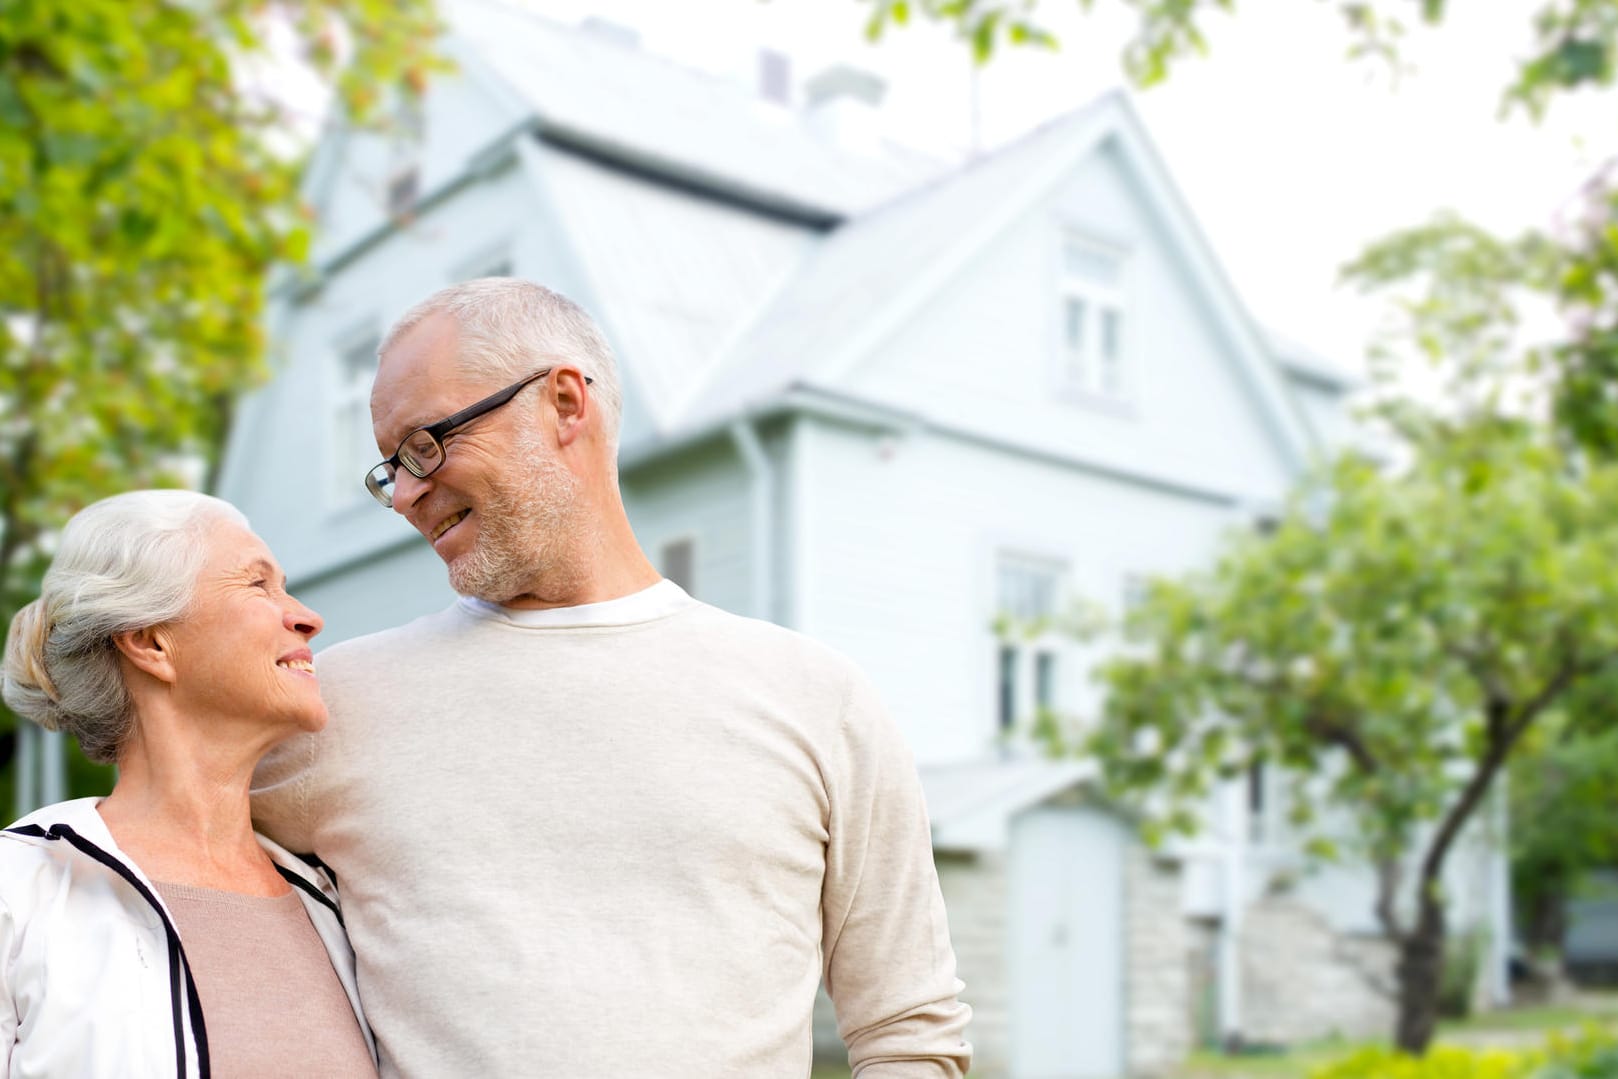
<point>705,495</point>
<point>901,534</point>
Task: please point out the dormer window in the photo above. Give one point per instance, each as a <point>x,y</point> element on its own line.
<point>1094,340</point>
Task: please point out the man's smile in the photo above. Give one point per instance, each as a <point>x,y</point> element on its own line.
<point>447,523</point>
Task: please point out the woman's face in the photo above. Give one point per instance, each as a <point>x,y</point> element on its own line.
<point>241,654</point>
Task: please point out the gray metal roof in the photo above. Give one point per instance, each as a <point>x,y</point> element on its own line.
<point>623,103</point>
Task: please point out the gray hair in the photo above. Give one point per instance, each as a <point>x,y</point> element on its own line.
<point>508,326</point>
<point>125,563</point>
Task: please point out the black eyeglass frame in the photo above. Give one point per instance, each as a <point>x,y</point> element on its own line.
<point>440,431</point>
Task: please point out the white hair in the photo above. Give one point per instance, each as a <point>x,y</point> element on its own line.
<point>510,327</point>
<point>125,563</point>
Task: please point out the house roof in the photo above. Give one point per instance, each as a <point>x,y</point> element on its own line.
<point>810,252</point>
<point>615,100</point>
<point>878,269</point>
<point>1304,362</point>
<point>971,805</point>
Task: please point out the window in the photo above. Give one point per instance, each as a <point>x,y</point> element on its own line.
<point>353,446</point>
<point>403,188</point>
<point>678,563</point>
<point>1137,587</point>
<point>1256,817</point>
<point>1045,680</point>
<point>1027,592</point>
<point>1094,341</point>
<point>408,127</point>
<point>1027,588</point>
<point>1007,689</point>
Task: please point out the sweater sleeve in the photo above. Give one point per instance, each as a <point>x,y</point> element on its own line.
<point>888,965</point>
<point>280,794</point>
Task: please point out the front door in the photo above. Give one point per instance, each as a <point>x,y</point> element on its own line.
<point>1067,957</point>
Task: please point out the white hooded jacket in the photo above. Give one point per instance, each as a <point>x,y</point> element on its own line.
<point>93,976</point>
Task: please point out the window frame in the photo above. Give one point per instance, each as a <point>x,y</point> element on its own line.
<point>1015,705</point>
<point>345,487</point>
<point>1083,381</point>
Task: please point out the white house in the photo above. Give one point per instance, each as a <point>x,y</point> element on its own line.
<point>880,399</point>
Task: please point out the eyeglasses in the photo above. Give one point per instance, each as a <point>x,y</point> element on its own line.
<point>421,452</point>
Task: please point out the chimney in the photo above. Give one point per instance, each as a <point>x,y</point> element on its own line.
<point>775,76</point>
<point>844,106</point>
<point>626,37</point>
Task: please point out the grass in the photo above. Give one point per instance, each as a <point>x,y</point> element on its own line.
<point>1527,1023</point>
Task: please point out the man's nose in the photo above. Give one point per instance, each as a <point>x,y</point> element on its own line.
<point>407,490</point>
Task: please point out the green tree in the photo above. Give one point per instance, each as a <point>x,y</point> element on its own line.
<point>142,203</point>
<point>1388,646</point>
<point>1571,43</point>
<point>1562,824</point>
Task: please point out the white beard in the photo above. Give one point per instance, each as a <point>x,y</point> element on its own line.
<point>528,532</point>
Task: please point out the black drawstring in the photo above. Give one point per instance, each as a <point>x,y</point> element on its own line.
<point>177,960</point>
<point>320,896</point>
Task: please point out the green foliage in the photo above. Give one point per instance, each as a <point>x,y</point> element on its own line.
<point>141,206</point>
<point>1463,959</point>
<point>1441,1062</point>
<point>1592,1054</point>
<point>1569,43</point>
<point>1388,641</point>
<point>1562,823</point>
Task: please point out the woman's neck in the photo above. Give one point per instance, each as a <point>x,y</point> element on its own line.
<point>180,810</point>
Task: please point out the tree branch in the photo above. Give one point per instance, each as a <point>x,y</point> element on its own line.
<point>1336,732</point>
<point>1388,872</point>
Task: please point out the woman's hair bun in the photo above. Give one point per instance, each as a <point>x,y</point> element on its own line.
<point>26,683</point>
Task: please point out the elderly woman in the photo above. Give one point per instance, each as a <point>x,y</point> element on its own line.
<point>151,932</point>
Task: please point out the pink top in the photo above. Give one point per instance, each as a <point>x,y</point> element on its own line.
<point>271,1001</point>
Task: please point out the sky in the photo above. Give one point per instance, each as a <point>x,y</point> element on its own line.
<point>1291,157</point>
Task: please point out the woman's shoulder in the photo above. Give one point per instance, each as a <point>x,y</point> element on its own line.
<point>55,842</point>
<point>50,824</point>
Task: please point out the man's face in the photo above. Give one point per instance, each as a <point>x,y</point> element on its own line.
<point>498,511</point>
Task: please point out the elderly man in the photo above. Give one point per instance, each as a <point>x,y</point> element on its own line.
<point>585,825</point>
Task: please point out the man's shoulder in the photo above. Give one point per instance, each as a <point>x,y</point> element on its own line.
<point>392,642</point>
<point>736,637</point>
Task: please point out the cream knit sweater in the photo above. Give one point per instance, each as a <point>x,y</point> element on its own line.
<point>621,840</point>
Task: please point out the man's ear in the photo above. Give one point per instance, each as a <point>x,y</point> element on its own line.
<point>150,650</point>
<point>571,396</point>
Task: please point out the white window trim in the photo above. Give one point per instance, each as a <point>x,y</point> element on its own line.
<point>1025,676</point>
<point>343,491</point>
<point>1120,297</point>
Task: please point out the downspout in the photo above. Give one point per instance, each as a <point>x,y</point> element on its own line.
<point>40,768</point>
<point>762,482</point>
<point>1232,908</point>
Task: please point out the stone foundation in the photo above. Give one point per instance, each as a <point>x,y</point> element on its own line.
<point>1303,981</point>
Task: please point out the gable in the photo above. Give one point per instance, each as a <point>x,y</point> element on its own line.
<point>963,270</point>
<point>457,121</point>
<point>986,354</point>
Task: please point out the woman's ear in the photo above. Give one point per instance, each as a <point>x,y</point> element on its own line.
<point>150,650</point>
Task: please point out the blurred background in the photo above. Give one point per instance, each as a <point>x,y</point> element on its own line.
<point>1198,419</point>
